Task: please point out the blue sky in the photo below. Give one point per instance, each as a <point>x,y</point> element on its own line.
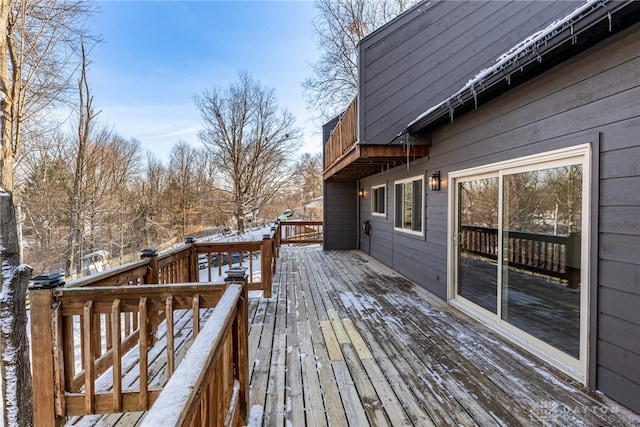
<point>156,55</point>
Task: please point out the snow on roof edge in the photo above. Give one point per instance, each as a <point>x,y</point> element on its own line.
<point>520,50</point>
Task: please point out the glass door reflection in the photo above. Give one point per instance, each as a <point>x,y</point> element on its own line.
<point>542,213</point>
<point>478,241</point>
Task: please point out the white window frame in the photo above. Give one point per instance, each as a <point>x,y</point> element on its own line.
<point>373,200</point>
<point>422,199</point>
<point>577,368</point>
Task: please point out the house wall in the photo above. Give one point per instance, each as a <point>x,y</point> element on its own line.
<point>340,214</point>
<point>426,54</point>
<point>592,98</point>
<point>339,206</point>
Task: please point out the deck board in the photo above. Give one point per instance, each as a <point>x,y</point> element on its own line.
<point>346,341</point>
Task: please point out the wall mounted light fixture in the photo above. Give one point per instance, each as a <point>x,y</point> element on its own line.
<point>434,181</point>
<point>361,193</point>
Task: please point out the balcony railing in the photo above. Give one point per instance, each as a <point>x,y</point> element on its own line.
<point>549,255</point>
<point>344,136</point>
<point>90,335</point>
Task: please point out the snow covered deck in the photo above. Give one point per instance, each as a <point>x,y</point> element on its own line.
<point>346,341</point>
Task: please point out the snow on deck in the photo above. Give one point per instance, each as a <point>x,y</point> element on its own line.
<point>346,340</point>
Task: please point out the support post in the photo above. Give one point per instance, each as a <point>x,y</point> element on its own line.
<point>241,339</point>
<point>42,351</point>
<point>267,255</point>
<point>573,260</point>
<point>193,260</point>
<point>152,275</point>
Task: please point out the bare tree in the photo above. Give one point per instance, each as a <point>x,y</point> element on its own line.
<point>86,115</point>
<point>151,189</point>
<point>44,197</point>
<point>339,27</point>
<point>182,187</point>
<point>37,43</point>
<point>250,140</point>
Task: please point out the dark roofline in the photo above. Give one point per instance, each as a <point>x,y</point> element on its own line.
<point>594,22</point>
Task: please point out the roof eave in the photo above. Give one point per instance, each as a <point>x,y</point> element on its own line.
<point>565,43</point>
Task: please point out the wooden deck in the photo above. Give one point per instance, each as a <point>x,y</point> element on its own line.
<point>346,341</point>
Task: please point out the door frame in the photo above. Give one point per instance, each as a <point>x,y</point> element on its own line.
<point>577,368</point>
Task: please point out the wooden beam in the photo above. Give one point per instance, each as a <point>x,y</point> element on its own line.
<point>364,159</point>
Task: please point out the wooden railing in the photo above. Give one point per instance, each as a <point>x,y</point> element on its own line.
<point>549,255</point>
<point>218,397</point>
<point>85,334</point>
<point>301,232</point>
<point>74,323</point>
<point>344,136</point>
<point>258,257</point>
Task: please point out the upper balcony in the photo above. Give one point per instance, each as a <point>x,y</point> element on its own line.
<point>346,158</point>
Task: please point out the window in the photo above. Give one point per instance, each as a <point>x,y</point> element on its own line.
<point>408,199</point>
<point>378,200</point>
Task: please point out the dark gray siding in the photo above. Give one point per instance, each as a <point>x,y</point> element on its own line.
<point>593,98</point>
<point>427,54</point>
<point>418,257</point>
<point>340,214</point>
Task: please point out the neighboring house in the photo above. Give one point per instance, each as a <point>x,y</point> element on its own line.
<point>497,164</point>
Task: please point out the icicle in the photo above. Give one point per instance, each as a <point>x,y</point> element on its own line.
<point>475,95</point>
<point>508,82</point>
<point>450,111</point>
<point>610,23</point>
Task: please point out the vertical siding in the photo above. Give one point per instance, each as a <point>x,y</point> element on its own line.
<point>425,55</point>
<point>340,214</point>
<point>592,98</point>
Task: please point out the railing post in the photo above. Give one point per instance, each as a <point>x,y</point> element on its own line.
<point>241,338</point>
<point>45,384</point>
<point>277,234</point>
<point>267,256</point>
<point>152,275</point>
<point>193,260</point>
<point>573,260</point>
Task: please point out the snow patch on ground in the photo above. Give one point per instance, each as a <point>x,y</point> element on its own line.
<point>255,416</point>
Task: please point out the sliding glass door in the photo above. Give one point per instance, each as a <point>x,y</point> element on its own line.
<point>518,250</point>
<point>541,224</point>
<point>478,241</point>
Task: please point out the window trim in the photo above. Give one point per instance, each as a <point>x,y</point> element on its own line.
<point>422,207</point>
<point>577,368</point>
<point>373,200</point>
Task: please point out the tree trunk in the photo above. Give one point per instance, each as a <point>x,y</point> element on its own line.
<point>14,345</point>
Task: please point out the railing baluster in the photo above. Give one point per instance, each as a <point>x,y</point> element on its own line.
<point>68,352</point>
<point>144,349</point>
<point>114,327</point>
<point>170,336</point>
<point>195,304</point>
<point>88,353</point>
<point>58,361</point>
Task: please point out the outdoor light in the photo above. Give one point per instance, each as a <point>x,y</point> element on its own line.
<point>434,181</point>
<point>361,193</point>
